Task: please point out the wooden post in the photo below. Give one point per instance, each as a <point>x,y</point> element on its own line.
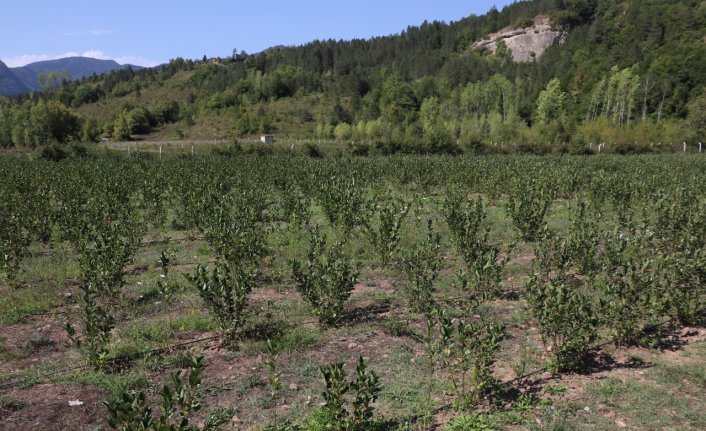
<point>685,147</point>
<point>160,151</point>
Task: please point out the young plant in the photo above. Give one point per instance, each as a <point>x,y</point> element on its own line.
<point>527,206</point>
<point>275,379</point>
<point>14,247</point>
<point>234,225</point>
<point>468,351</point>
<point>365,388</point>
<point>384,226</point>
<point>166,287</point>
<point>466,220</point>
<point>97,322</point>
<point>565,318</point>
<point>103,263</point>
<point>326,279</point>
<point>422,266</point>
<point>584,239</point>
<point>295,206</point>
<point>179,402</point>
<point>225,291</point>
<point>343,202</point>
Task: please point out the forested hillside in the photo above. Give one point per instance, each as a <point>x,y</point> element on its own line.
<point>629,73</point>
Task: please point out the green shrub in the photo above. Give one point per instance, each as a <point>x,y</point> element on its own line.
<point>225,292</point>
<point>180,401</point>
<point>326,279</point>
<point>365,388</point>
<point>527,206</point>
<point>566,320</point>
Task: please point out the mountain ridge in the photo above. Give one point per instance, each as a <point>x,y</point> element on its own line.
<point>69,68</point>
<point>10,84</point>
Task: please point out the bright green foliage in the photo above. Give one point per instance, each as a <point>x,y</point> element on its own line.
<point>326,279</point>
<point>179,402</point>
<point>384,226</point>
<point>616,96</point>
<point>225,291</point>
<point>365,388</point>
<point>565,318</point>
<point>551,103</point>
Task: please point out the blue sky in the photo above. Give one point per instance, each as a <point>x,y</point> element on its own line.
<point>148,32</point>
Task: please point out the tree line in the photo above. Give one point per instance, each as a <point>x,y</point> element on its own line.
<point>623,73</point>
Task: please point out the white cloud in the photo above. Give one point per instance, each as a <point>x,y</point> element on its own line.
<point>98,32</point>
<point>23,60</point>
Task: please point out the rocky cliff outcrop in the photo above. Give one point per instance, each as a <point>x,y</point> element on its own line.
<point>525,44</point>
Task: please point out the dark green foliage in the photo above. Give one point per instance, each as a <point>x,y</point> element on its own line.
<point>422,266</point>
<point>383,226</point>
<point>566,320</point>
<point>132,412</point>
<point>467,220</point>
<point>527,206</point>
<point>468,351</point>
<point>326,279</point>
<point>343,202</point>
<point>225,291</point>
<point>365,388</point>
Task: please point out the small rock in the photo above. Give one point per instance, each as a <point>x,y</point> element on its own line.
<point>75,403</point>
<point>352,345</point>
<point>620,423</point>
<point>68,295</point>
<point>293,387</point>
<point>235,419</point>
<point>284,408</point>
<point>587,409</point>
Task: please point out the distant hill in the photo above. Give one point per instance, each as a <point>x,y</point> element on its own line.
<point>540,72</point>
<point>10,84</point>
<point>71,68</point>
